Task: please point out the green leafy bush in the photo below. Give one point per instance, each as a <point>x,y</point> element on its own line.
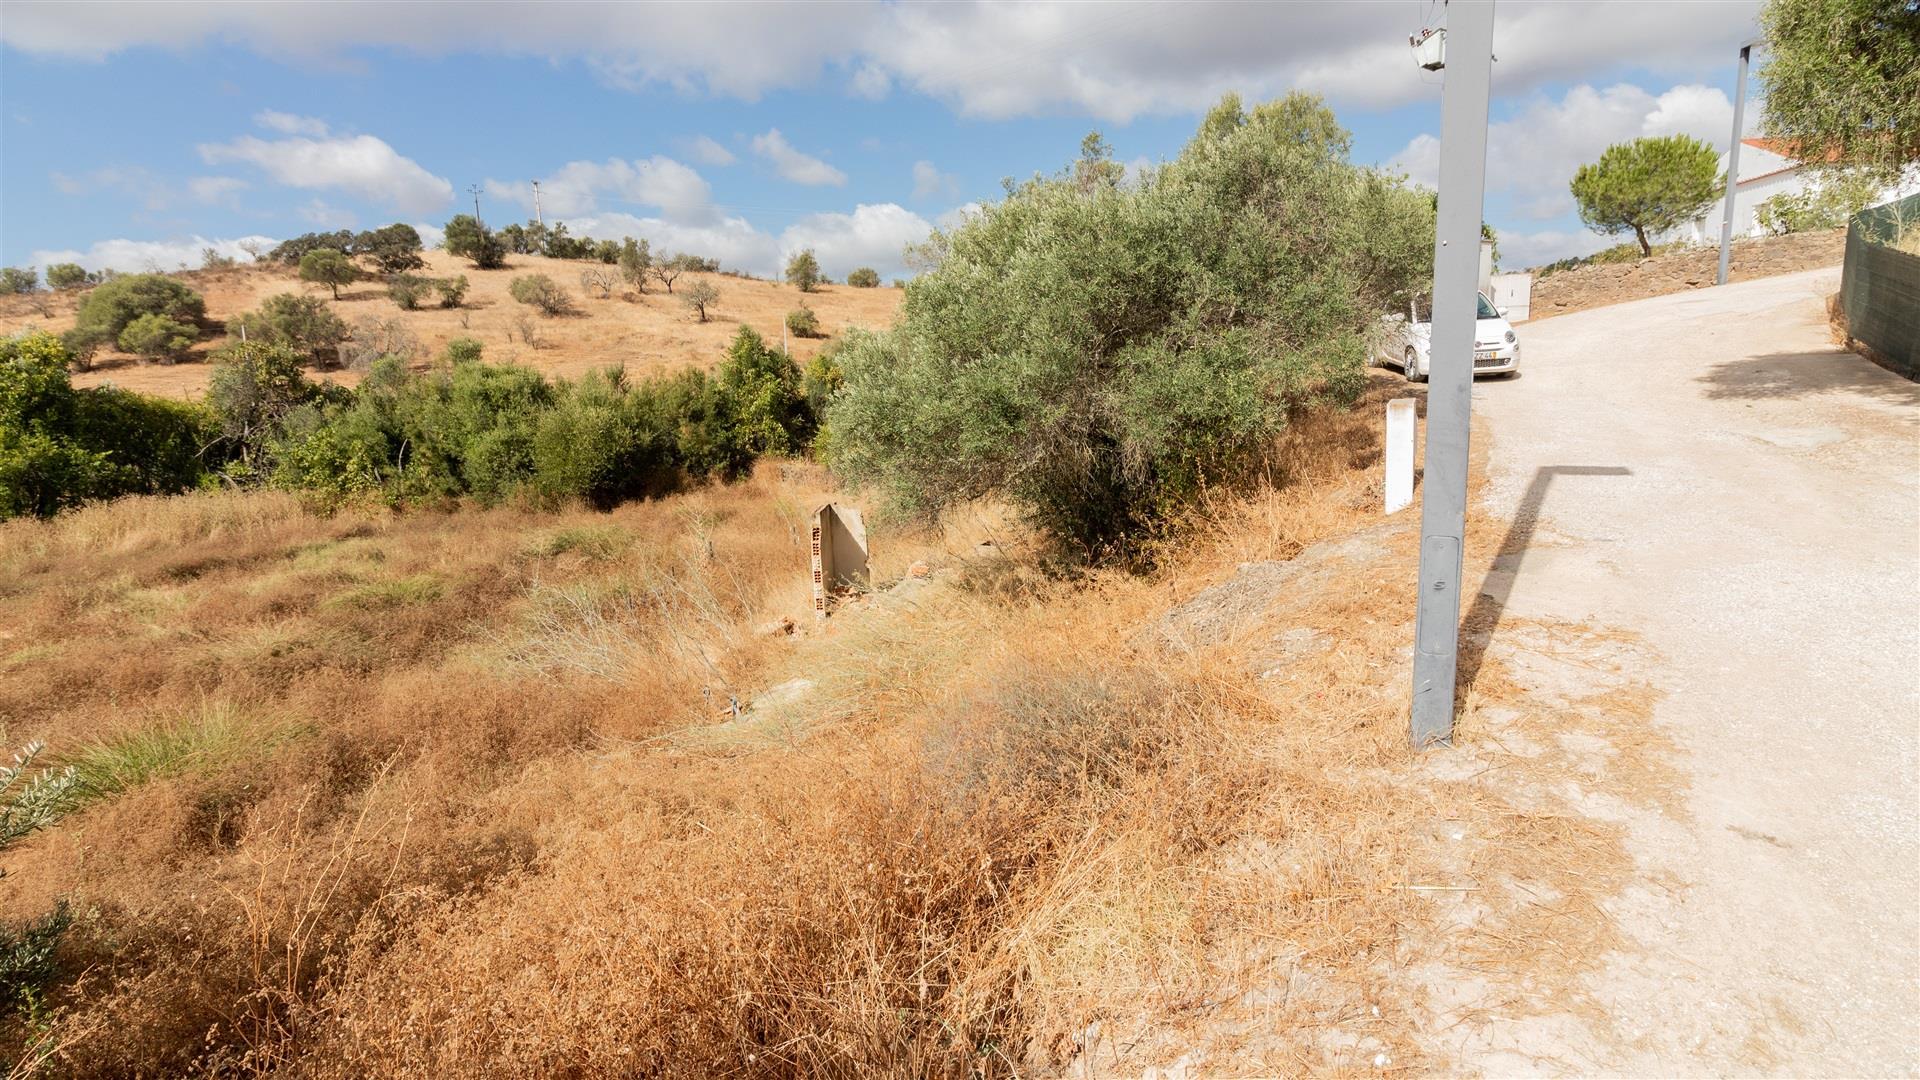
<point>408,290</point>
<point>328,267</point>
<point>60,446</point>
<point>304,324</point>
<point>1100,353</point>
<point>540,291</point>
<point>452,290</point>
<point>464,351</point>
<point>157,337</point>
<point>802,322</point>
<point>68,276</point>
<point>255,388</point>
<point>864,277</point>
<point>393,249</point>
<point>466,237</point>
<point>15,280</point>
<point>1827,204</point>
<point>803,271</point>
<point>292,251</point>
<point>107,310</point>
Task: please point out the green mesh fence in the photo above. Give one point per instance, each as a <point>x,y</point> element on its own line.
<point>1880,284</point>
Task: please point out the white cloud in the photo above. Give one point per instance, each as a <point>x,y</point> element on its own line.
<point>325,216</point>
<point>289,124</point>
<point>871,82</point>
<point>133,256</point>
<point>576,188</point>
<point>873,235</point>
<point>929,182</point>
<point>1534,155</point>
<point>1519,250</point>
<point>791,163</point>
<point>986,59</point>
<point>431,235</point>
<point>213,189</point>
<point>359,165</point>
<point>708,152</point>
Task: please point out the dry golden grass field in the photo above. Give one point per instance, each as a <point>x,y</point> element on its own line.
<point>501,793</point>
<point>645,331</point>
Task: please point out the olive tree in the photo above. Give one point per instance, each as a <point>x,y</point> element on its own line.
<point>803,271</point>
<point>1647,186</point>
<point>67,276</point>
<point>540,291</point>
<point>700,296</point>
<point>1100,354</point>
<point>864,277</point>
<point>157,337</point>
<point>1841,79</point>
<point>469,239</point>
<point>328,267</point>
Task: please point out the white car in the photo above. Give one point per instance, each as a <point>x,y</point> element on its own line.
<point>1404,342</point>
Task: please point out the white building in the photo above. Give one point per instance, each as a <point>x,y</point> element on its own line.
<point>1767,168</point>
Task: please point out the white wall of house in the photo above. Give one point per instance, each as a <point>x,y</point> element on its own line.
<point>1764,174</point>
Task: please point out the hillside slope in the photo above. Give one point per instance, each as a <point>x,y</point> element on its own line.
<point>646,332</point>
<point>1601,283</point>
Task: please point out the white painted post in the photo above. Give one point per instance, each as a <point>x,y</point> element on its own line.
<point>1400,430</point>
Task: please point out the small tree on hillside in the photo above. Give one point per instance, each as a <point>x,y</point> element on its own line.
<point>803,271</point>
<point>1842,77</point>
<point>469,239</point>
<point>865,277</point>
<point>107,310</point>
<point>14,279</point>
<point>328,267</point>
<point>667,270</point>
<point>699,296</point>
<point>634,261</point>
<point>393,249</point>
<point>67,276</point>
<point>303,324</point>
<point>802,322</point>
<point>1647,186</point>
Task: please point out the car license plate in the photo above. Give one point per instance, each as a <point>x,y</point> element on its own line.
<point>1483,354</point>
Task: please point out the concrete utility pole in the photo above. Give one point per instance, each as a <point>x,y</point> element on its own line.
<point>475,188</point>
<point>1456,269</point>
<point>538,220</point>
<point>1733,164</point>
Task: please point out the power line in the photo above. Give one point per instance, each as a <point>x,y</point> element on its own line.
<point>475,188</point>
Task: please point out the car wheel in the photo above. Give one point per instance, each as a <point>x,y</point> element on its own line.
<point>1412,367</point>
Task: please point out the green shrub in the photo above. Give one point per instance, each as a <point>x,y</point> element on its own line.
<point>452,290</point>
<point>107,310</point>
<point>540,291</point>
<point>762,388</point>
<point>803,271</point>
<point>865,277</point>
<point>407,290</point>
<point>67,276</point>
<point>464,351</point>
<point>466,237</point>
<point>1828,204</point>
<point>393,249</point>
<point>304,324</point>
<point>292,251</point>
<point>328,267</point>
<point>1101,353</point>
<point>15,280</point>
<point>255,387</point>
<point>802,322</point>
<point>157,337</point>
<point>60,447</point>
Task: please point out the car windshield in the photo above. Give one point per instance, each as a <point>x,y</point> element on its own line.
<point>1424,310</point>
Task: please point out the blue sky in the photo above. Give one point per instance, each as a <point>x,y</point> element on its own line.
<point>137,134</point>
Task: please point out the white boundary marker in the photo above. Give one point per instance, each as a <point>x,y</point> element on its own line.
<point>1400,430</point>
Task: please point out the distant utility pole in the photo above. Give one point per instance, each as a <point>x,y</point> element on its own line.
<point>475,188</point>
<point>1733,164</point>
<point>538,220</point>
<point>1456,273</point>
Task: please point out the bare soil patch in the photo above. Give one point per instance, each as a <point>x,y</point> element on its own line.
<point>1600,284</point>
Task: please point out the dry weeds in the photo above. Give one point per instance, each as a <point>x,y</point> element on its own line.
<point>993,828</point>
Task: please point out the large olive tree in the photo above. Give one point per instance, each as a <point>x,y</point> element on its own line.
<point>1099,353</point>
<point>1841,80</point>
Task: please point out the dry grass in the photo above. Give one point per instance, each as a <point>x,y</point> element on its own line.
<point>646,332</point>
<point>1000,828</point>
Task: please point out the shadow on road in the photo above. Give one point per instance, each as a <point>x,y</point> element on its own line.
<point>1476,630</point>
<point>1775,375</point>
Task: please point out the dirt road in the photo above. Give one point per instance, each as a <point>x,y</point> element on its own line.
<point>1707,471</point>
